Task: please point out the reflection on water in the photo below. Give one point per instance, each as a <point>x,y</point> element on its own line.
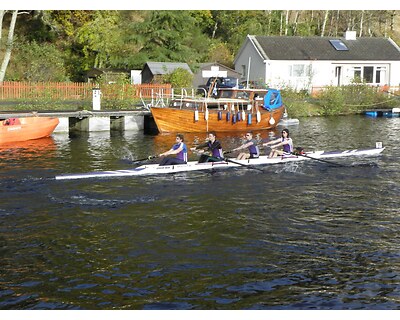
<point>28,149</point>
<point>18,155</point>
<point>299,236</point>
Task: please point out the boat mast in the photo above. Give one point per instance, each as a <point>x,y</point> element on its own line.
<point>248,74</point>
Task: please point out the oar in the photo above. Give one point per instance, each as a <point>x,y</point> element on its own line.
<point>148,158</point>
<point>321,160</point>
<point>244,165</point>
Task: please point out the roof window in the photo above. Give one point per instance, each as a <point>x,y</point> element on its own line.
<point>338,45</point>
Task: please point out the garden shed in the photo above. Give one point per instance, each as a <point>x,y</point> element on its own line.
<point>153,71</point>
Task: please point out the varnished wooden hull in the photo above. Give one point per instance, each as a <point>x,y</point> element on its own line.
<point>183,120</point>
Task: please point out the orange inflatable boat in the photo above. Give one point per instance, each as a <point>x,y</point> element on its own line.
<point>22,129</point>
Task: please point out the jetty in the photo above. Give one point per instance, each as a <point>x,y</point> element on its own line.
<point>94,120</point>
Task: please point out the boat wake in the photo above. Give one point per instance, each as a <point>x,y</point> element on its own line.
<point>364,164</point>
<point>88,201</point>
<point>126,155</point>
<point>291,167</point>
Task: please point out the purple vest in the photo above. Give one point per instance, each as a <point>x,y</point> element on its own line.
<point>183,154</point>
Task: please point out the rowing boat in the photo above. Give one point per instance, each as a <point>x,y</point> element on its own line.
<point>155,169</point>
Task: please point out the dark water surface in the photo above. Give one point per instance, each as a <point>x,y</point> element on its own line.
<point>299,236</point>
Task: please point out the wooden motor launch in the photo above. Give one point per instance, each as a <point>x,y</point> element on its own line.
<point>232,110</point>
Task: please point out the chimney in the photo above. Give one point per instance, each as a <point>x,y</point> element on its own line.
<point>350,35</point>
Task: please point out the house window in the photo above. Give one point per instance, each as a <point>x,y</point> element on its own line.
<point>339,45</point>
<point>370,74</point>
<point>299,70</point>
<point>380,75</point>
<point>243,71</point>
<point>357,73</point>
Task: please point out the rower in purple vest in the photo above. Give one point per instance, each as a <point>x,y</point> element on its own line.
<point>251,144</point>
<point>213,146</point>
<point>179,149</point>
<point>285,142</point>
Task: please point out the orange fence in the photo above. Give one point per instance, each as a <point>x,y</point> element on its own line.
<point>10,90</point>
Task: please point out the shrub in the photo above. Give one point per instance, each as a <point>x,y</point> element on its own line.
<point>299,104</point>
<point>179,78</point>
<point>354,98</point>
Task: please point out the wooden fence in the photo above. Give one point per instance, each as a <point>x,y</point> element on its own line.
<point>10,90</point>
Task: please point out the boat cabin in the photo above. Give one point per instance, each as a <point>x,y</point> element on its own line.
<point>230,97</point>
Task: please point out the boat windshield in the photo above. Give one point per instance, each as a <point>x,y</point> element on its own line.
<point>233,94</point>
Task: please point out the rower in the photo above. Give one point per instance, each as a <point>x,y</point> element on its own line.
<point>213,146</point>
<point>251,144</point>
<point>284,141</point>
<point>179,149</point>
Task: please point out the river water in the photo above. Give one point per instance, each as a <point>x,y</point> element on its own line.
<point>300,236</point>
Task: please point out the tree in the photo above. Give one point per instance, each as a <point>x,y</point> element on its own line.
<point>99,39</point>
<point>219,52</point>
<point>171,36</point>
<point>37,62</point>
<point>10,42</point>
<point>324,23</point>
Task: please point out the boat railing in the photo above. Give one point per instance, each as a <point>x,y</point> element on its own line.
<point>190,97</point>
<point>162,98</point>
<point>159,98</point>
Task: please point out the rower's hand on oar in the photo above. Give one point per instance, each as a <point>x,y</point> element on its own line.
<point>145,159</point>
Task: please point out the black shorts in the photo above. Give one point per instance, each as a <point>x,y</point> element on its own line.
<point>171,161</point>
<point>206,158</point>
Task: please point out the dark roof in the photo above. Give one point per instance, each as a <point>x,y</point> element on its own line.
<point>319,48</point>
<point>166,67</point>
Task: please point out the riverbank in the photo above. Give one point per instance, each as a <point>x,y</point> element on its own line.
<point>345,100</point>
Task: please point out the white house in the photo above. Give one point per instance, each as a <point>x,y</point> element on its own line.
<point>306,62</point>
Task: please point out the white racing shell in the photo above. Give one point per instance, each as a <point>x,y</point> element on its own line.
<point>155,169</point>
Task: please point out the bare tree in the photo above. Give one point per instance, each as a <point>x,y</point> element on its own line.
<point>9,45</point>
<point>2,13</point>
<point>361,23</point>
<point>287,22</point>
<point>324,23</point>
<point>295,23</point>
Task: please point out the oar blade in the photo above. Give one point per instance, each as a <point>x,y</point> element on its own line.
<point>244,165</point>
